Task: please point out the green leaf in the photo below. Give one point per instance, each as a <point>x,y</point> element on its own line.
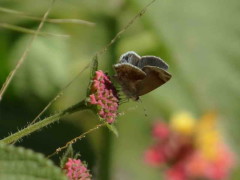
<point>18,163</point>
<point>94,68</point>
<point>68,154</point>
<point>112,128</point>
<point>46,67</point>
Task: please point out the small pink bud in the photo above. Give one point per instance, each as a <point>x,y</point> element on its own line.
<point>76,170</point>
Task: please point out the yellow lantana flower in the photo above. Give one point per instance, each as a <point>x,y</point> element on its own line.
<point>183,123</point>
<point>208,136</point>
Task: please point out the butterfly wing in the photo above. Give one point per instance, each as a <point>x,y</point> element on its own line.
<point>155,78</point>
<point>128,76</point>
<point>151,61</point>
<point>129,72</point>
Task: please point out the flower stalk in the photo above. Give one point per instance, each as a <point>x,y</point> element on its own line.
<point>82,105</point>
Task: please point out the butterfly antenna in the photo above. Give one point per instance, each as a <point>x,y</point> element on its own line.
<point>144,109</point>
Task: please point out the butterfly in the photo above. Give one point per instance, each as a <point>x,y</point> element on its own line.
<point>140,75</point>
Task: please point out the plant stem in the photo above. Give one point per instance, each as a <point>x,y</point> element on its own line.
<point>49,120</point>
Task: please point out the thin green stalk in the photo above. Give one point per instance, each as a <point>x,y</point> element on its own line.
<point>23,14</point>
<point>49,120</point>
<point>30,31</point>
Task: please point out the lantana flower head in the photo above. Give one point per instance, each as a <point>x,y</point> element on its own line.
<point>104,96</point>
<point>190,149</point>
<point>75,169</point>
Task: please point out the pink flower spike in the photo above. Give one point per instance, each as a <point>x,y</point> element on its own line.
<point>104,95</point>
<point>76,170</point>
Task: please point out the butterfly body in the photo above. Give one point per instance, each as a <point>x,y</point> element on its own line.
<point>139,75</point>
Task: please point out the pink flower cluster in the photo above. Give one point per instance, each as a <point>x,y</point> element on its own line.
<point>76,170</point>
<point>104,95</point>
<point>184,159</point>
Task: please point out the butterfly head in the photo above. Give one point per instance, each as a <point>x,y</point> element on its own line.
<point>130,57</point>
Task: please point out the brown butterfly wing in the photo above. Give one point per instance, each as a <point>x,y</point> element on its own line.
<point>129,72</point>
<point>128,76</point>
<point>155,78</point>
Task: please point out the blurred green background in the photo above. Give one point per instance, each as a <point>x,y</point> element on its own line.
<point>200,40</point>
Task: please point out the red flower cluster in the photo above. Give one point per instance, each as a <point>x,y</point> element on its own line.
<point>104,95</point>
<point>184,157</point>
<point>170,147</point>
<point>76,170</point>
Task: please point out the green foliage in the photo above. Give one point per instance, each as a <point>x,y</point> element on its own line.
<point>93,69</point>
<point>113,129</point>
<point>18,163</point>
<point>67,154</point>
<point>45,68</point>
